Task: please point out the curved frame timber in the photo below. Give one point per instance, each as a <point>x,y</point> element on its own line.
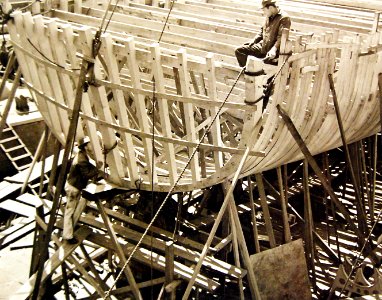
<point>154,113</point>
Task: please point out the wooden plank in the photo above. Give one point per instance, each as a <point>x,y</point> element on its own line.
<point>16,232</point>
<point>180,251</point>
<point>51,265</point>
<point>7,188</point>
<point>18,208</point>
<point>30,199</point>
<point>158,262</point>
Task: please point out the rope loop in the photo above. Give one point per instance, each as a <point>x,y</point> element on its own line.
<point>105,151</point>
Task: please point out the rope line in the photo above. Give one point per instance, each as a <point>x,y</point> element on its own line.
<point>48,59</point>
<point>177,180</point>
<point>153,104</point>
<point>165,23</point>
<point>112,13</point>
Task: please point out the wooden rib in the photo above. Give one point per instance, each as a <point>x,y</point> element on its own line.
<point>188,114</point>
<point>119,100</point>
<point>60,56</point>
<point>139,101</point>
<point>53,78</point>
<point>163,112</point>
<point>99,100</point>
<point>28,66</point>
<point>215,128</point>
<point>33,37</point>
<point>91,129</point>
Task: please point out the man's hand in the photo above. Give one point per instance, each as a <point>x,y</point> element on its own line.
<point>271,54</point>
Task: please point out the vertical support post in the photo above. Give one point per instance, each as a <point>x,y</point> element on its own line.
<point>374,176</point>
<point>380,100</point>
<point>77,6</point>
<point>37,242</point>
<point>287,235</point>
<point>43,157</point>
<point>64,5</point>
<point>360,210</point>
<point>235,246</point>
<point>309,243</point>
<point>119,250</point>
<point>264,206</point>
<point>252,280</point>
<point>62,177</point>
<point>65,278</point>
<point>37,155</point>
<point>102,284</point>
<point>332,208</point>
<point>169,271</point>
<point>304,149</point>
<point>253,215</point>
<point>377,16</point>
<point>366,185</point>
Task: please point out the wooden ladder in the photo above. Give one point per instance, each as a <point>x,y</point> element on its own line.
<point>15,149</point>
<point>18,153</point>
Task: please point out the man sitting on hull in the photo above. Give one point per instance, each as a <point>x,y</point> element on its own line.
<point>266,44</point>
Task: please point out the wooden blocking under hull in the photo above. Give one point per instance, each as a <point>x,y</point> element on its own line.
<point>282,273</point>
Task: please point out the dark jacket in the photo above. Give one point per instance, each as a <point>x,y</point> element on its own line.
<point>270,33</point>
<point>81,171</point>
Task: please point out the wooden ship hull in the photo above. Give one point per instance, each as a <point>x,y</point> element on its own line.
<point>171,115</point>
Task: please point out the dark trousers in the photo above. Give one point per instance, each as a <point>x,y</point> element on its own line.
<point>248,49</point>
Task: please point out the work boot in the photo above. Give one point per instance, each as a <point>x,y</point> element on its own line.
<point>22,106</point>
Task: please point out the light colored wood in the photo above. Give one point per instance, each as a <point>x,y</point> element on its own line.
<point>163,111</point>
<point>125,267</point>
<point>189,125</point>
<point>215,128</point>
<point>140,106</point>
<point>101,106</point>
<point>59,54</point>
<point>301,87</point>
<point>119,99</point>
<point>54,262</point>
<point>264,207</point>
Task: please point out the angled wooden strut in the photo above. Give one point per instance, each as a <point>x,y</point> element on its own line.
<point>360,210</point>
<point>62,177</point>
<point>120,253</point>
<point>380,98</point>
<point>228,198</point>
<point>304,149</point>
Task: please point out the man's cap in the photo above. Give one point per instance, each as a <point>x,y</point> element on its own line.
<point>268,2</point>
<point>83,141</point>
